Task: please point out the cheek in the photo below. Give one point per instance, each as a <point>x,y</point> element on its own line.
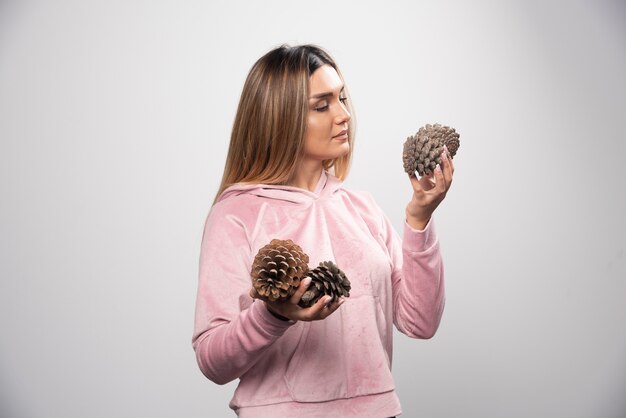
<point>317,127</point>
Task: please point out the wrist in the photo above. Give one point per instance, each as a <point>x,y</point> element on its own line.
<point>275,315</point>
<point>417,223</point>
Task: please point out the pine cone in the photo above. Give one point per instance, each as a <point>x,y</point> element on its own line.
<point>278,268</point>
<point>422,151</point>
<point>326,279</point>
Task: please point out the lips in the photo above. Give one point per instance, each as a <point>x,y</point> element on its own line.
<point>340,134</point>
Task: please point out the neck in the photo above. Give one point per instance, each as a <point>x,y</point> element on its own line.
<point>307,176</point>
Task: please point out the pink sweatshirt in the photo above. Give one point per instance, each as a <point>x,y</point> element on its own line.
<point>339,366</point>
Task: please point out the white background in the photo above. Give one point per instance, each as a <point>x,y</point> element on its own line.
<point>114,123</point>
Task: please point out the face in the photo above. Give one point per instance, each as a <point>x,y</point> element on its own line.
<point>326,135</point>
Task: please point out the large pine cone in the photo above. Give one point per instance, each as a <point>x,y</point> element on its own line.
<point>278,268</point>
<point>326,279</point>
<point>422,151</point>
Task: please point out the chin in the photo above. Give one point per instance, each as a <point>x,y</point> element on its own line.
<point>345,149</point>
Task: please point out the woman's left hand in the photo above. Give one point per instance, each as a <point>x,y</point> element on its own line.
<point>429,193</point>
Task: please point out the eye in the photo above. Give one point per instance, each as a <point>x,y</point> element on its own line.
<point>322,107</point>
<point>343,100</point>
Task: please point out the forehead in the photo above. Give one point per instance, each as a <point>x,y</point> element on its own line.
<point>324,79</point>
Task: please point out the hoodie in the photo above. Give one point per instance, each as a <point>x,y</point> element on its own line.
<point>339,366</point>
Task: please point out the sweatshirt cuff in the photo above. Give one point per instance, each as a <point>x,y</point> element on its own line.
<point>269,322</point>
<point>416,240</point>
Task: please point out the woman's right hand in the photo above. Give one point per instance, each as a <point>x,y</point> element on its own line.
<point>289,308</point>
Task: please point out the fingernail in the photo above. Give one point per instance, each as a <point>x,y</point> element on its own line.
<point>444,154</point>
<point>306,281</point>
<point>438,168</point>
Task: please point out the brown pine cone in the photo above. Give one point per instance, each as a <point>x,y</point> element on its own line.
<point>422,151</point>
<point>277,269</point>
<point>326,279</point>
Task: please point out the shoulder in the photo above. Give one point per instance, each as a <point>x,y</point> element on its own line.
<point>233,216</point>
<point>240,205</point>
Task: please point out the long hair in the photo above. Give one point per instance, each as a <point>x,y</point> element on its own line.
<point>267,140</point>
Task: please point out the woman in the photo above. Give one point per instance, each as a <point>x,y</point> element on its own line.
<point>290,150</point>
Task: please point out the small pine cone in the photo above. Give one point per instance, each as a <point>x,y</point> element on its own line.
<point>326,279</point>
<point>278,268</point>
<point>422,151</point>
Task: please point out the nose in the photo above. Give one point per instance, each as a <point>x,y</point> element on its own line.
<point>342,116</point>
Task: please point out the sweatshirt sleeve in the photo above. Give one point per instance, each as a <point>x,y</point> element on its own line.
<point>231,331</point>
<point>416,277</point>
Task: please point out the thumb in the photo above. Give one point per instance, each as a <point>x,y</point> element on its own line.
<point>417,186</point>
<point>304,285</point>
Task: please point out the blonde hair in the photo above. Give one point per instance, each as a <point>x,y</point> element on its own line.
<point>267,139</point>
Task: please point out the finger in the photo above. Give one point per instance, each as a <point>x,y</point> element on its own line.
<point>447,169</point>
<point>450,161</point>
<point>440,181</point>
<point>332,307</point>
<point>304,285</point>
<point>315,311</point>
<point>423,183</point>
<point>417,186</point>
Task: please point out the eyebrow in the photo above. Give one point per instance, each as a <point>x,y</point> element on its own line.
<point>326,94</point>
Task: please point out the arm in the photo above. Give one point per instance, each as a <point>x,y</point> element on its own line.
<point>417,272</point>
<point>231,331</point>
<point>417,279</point>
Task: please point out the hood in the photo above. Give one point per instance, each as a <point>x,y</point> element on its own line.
<point>326,186</point>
